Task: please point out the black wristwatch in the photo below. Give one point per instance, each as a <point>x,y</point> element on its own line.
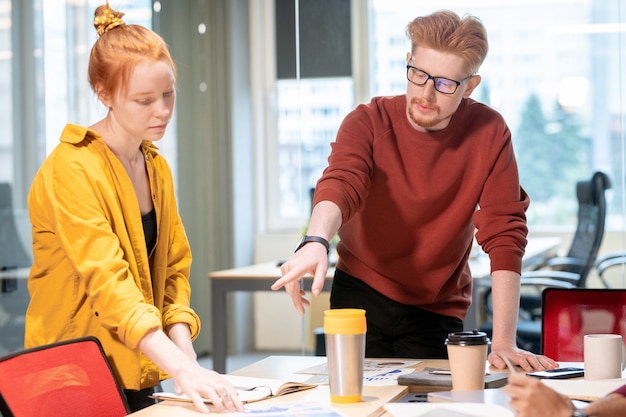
<point>579,413</point>
<point>306,239</point>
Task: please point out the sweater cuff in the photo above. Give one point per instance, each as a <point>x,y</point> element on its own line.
<point>182,314</point>
<point>140,322</point>
<point>621,391</point>
<point>506,261</point>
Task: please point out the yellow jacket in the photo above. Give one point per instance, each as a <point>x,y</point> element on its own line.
<point>91,273</point>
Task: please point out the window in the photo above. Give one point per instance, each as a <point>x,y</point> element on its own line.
<point>48,67</point>
<point>554,71</point>
<point>307,123</point>
<point>6,105</point>
<point>68,37</point>
<point>313,63</point>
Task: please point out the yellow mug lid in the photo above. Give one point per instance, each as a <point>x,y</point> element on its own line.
<point>344,321</point>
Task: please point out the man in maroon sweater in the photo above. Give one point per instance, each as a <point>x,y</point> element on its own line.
<point>531,398</point>
<point>410,179</point>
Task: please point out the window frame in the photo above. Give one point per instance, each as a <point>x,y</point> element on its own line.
<point>264,95</point>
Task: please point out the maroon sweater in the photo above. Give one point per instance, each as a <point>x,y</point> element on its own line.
<point>410,201</point>
<point>621,391</point>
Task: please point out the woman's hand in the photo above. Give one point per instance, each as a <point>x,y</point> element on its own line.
<point>199,383</point>
<point>176,357</point>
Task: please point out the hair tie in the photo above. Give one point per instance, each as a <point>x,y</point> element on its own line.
<point>107,21</point>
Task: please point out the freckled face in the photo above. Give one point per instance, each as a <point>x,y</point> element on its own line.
<point>428,109</point>
<point>144,110</point>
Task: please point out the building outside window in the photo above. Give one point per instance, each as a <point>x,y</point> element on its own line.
<point>57,58</point>
<point>553,71</point>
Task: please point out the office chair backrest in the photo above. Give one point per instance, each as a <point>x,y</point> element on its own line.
<point>590,228</point>
<point>70,378</point>
<point>12,253</point>
<point>569,314</point>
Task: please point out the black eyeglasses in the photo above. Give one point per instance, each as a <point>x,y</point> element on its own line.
<point>443,85</point>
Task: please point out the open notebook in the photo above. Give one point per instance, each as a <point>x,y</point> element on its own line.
<point>249,389</point>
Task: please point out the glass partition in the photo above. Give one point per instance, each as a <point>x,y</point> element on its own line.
<point>6,105</point>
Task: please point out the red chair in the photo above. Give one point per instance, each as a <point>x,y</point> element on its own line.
<point>69,378</point>
<point>569,314</point>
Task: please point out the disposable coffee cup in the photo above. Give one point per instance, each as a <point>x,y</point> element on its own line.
<point>603,356</point>
<point>467,354</point>
<point>344,331</point>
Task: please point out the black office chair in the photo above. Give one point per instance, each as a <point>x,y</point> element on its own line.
<point>610,264</point>
<point>570,271</point>
<point>12,252</point>
<point>573,269</point>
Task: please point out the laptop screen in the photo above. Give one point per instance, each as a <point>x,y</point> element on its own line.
<point>570,314</point>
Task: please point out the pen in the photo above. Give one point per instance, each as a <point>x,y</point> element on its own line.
<point>509,364</point>
<point>440,372</point>
<point>444,372</point>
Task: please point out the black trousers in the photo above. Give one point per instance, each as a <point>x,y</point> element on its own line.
<point>394,330</point>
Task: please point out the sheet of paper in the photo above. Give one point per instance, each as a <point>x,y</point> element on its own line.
<point>374,367</point>
<point>375,371</point>
<point>371,367</point>
<point>447,410</point>
<point>387,378</point>
<point>288,409</point>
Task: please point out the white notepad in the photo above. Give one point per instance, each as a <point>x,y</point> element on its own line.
<point>585,390</point>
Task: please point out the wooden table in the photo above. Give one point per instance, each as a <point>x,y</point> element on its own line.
<point>261,276</point>
<point>374,397</point>
<point>285,368</point>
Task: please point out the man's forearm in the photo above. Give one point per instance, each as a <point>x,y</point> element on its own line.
<point>325,220</point>
<point>505,296</point>
<point>613,405</point>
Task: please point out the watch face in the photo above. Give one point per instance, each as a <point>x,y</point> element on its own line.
<point>300,244</point>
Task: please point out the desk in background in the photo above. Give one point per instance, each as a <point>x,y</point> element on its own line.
<point>9,278</point>
<point>260,277</point>
<point>17,273</point>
